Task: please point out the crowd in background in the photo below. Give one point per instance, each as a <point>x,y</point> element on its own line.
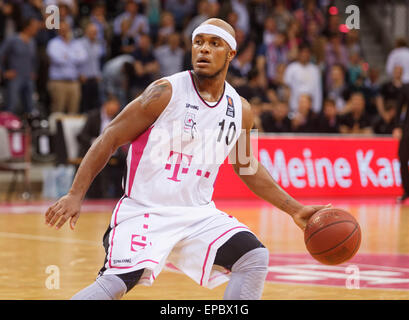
<point>297,62</point>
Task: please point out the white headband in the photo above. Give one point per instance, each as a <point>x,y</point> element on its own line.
<point>217,31</point>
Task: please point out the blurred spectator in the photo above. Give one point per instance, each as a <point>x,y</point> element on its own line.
<point>146,66</point>
<point>139,22</point>
<point>309,12</point>
<point>123,43</point>
<point>390,90</point>
<point>356,121</point>
<point>304,77</point>
<point>241,65</point>
<point>90,69</point>
<point>304,119</point>
<point>269,32</point>
<point>272,55</point>
<point>384,123</point>
<point>65,56</point>
<point>66,13</point>
<point>354,71</point>
<point>18,66</point>
<point>332,25</point>
<point>257,109</point>
<point>108,183</point>
<point>170,56</point>
<point>202,16</point>
<point>399,56</point>
<point>98,18</point>
<point>32,9</point>
<point>181,10</point>
<point>329,119</point>
<point>371,89</point>
<point>276,119</point>
<point>352,42</point>
<point>316,41</point>
<point>116,77</point>
<point>335,53</point>
<point>281,16</point>
<point>240,7</point>
<point>10,19</point>
<point>253,87</point>
<point>278,86</point>
<point>167,27</point>
<point>337,88</point>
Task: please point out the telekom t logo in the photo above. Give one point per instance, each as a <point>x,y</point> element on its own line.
<point>177,165</point>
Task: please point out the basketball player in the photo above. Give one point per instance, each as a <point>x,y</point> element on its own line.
<point>167,212</point>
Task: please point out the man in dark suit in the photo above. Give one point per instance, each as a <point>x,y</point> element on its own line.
<point>402,132</point>
<point>108,184</point>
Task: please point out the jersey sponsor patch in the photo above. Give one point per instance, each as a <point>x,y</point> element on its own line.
<point>230,107</point>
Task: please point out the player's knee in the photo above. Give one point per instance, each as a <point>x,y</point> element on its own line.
<point>254,260</point>
<point>131,278</point>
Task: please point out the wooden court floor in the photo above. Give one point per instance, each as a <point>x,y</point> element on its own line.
<point>38,262</point>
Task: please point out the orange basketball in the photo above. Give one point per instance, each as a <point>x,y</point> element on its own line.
<point>332,236</point>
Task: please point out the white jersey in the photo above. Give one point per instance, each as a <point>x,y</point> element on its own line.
<point>176,160</point>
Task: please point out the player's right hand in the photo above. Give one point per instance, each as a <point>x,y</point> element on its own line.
<point>67,207</point>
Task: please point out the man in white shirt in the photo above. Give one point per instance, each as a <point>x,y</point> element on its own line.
<point>66,55</point>
<point>304,77</point>
<point>399,56</point>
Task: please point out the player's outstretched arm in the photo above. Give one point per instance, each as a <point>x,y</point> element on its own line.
<point>258,180</point>
<point>133,120</point>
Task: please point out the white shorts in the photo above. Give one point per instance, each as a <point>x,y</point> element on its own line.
<point>187,237</point>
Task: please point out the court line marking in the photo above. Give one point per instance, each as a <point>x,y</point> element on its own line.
<point>25,236</point>
<point>348,263</point>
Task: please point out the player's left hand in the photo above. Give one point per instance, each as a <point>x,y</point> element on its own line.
<point>301,217</point>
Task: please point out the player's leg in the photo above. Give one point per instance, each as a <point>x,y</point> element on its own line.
<point>109,286</point>
<point>247,259</point>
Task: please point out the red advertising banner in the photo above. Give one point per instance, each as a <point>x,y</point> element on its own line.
<point>321,166</point>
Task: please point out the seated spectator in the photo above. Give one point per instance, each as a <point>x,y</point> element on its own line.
<point>257,109</point>
<point>371,89</point>
<point>329,119</point>
<point>181,9</point>
<point>399,56</point>
<point>65,55</point>
<point>310,12</point>
<point>272,55</point>
<point>241,65</point>
<point>391,90</point>
<point>146,65</point>
<point>276,119</point>
<point>202,16</point>
<point>335,53</point>
<point>252,87</point>
<point>269,32</point>
<point>356,120</point>
<point>282,16</point>
<point>352,42</point>
<point>18,67</point>
<point>139,22</point>
<point>304,119</point>
<point>170,56</point>
<point>303,76</point>
<point>108,183</point>
<point>385,123</point>
<point>117,74</point>
<point>354,70</point>
<point>167,27</point>
<point>123,43</point>
<point>337,88</point>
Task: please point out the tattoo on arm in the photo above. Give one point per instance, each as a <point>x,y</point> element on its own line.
<point>152,93</point>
